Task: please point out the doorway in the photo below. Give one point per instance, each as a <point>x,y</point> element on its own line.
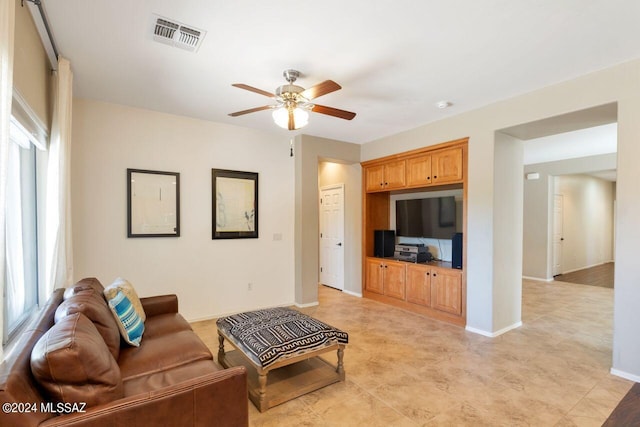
<point>588,232</point>
<point>332,236</point>
<point>557,233</point>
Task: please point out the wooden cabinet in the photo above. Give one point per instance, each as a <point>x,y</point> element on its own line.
<point>394,175</point>
<point>431,168</point>
<point>419,171</point>
<point>439,288</point>
<point>394,279</point>
<point>446,290</point>
<point>437,168</point>
<point>419,284</point>
<point>374,281</point>
<point>374,178</point>
<point>435,289</point>
<point>385,177</point>
<point>386,277</point>
<point>446,166</point>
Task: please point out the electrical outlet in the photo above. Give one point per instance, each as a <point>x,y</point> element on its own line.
<point>250,286</point>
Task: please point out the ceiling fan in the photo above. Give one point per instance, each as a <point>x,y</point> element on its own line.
<point>293,102</point>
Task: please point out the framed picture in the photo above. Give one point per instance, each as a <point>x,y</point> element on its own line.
<point>235,204</point>
<point>153,203</point>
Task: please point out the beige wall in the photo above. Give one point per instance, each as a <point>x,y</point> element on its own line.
<point>309,151</point>
<point>350,175</point>
<point>211,277</point>
<point>485,291</point>
<point>31,69</point>
<point>507,183</point>
<point>587,221</point>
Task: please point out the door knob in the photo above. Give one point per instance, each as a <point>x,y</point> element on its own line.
<point>339,244</point>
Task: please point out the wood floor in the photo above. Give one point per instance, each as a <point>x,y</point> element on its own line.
<point>600,275</point>
<point>627,413</point>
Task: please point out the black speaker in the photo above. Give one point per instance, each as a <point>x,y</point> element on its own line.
<point>384,243</point>
<point>456,251</point>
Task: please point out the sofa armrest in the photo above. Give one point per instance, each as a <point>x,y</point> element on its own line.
<point>161,304</point>
<point>215,399</point>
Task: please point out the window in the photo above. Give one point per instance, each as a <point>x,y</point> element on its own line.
<point>21,259</point>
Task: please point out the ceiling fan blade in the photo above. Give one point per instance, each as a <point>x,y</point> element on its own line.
<point>335,112</point>
<point>292,123</point>
<point>251,110</point>
<point>320,89</point>
<point>253,89</point>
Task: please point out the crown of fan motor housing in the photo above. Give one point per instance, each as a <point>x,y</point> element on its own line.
<point>284,89</point>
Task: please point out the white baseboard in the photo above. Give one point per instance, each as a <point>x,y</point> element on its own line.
<point>478,331</point>
<point>355,294</point>
<point>539,279</point>
<point>309,304</point>
<point>625,375</point>
<point>230,313</point>
<point>496,333</point>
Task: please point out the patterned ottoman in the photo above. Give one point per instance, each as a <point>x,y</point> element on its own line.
<point>284,343</point>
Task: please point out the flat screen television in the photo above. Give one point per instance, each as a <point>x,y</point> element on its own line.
<point>433,218</point>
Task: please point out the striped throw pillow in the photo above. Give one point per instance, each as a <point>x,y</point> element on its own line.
<point>129,322</point>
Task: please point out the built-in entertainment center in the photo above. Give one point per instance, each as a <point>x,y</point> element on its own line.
<point>414,222</point>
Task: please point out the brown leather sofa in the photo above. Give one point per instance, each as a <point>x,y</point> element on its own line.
<point>81,374</point>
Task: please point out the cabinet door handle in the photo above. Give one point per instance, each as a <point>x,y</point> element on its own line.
<point>435,176</point>
<point>386,183</point>
<point>428,178</point>
<point>434,274</point>
<point>381,184</point>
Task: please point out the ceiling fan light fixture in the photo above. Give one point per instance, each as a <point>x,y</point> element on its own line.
<point>281,117</point>
<point>294,103</point>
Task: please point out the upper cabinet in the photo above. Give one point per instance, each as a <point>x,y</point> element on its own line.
<point>446,166</point>
<point>419,171</point>
<point>435,167</point>
<point>385,177</point>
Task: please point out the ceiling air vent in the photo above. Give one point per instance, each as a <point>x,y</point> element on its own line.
<point>174,33</point>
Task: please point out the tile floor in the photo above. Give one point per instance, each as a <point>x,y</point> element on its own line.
<point>406,370</point>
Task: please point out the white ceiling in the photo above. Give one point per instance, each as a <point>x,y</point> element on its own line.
<point>572,145</point>
<point>395,59</point>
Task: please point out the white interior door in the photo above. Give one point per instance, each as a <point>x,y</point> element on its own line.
<point>557,234</point>
<point>332,236</point>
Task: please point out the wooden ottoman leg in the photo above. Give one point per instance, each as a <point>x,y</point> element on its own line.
<point>340,367</point>
<point>262,390</point>
<point>221,353</point>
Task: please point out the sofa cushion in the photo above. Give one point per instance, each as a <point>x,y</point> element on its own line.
<point>162,352</point>
<point>165,324</point>
<point>169,377</point>
<point>122,285</point>
<point>82,285</point>
<point>72,364</point>
<point>129,322</point>
<point>93,306</point>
